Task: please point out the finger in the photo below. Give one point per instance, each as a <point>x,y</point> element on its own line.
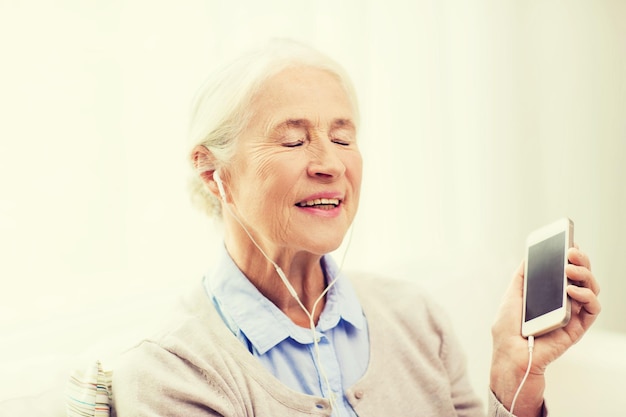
<point>582,277</point>
<point>519,272</point>
<point>586,298</point>
<point>578,257</point>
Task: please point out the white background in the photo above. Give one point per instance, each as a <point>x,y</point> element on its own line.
<point>482,120</point>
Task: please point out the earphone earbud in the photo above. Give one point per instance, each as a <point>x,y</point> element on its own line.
<point>220,186</point>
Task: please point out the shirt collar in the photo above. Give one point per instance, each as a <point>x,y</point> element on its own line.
<point>244,309</point>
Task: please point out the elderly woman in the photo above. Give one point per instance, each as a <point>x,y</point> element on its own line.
<point>276,328</point>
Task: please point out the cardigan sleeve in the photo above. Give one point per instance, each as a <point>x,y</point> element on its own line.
<point>466,402</point>
<point>496,409</point>
<point>150,381</point>
<point>462,392</point>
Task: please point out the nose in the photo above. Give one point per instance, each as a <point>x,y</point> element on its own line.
<point>325,160</point>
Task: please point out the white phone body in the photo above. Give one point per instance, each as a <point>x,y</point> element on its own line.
<point>546,305</point>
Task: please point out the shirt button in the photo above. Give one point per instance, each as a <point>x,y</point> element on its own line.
<point>358,394</point>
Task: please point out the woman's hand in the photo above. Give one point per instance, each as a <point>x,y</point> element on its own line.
<point>510,349</point>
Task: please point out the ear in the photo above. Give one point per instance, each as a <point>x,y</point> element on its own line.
<point>205,164</point>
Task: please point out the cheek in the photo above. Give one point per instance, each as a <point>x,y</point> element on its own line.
<point>354,169</point>
<point>275,179</point>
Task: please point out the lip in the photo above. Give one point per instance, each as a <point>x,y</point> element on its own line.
<point>321,195</point>
<point>323,212</point>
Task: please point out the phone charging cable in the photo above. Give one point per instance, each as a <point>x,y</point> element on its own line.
<point>531,345</point>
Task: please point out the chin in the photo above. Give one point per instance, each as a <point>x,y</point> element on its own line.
<point>320,239</point>
<point>324,247</point>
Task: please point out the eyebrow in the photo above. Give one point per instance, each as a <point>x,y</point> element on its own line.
<point>300,123</point>
<point>343,123</point>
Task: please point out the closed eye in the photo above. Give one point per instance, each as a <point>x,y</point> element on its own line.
<point>293,135</point>
<point>293,144</point>
<point>343,135</point>
<point>341,142</point>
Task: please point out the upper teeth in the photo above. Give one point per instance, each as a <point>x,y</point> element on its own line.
<point>317,201</point>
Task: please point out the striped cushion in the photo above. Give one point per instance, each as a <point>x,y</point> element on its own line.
<point>89,392</point>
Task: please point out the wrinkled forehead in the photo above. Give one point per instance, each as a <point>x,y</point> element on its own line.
<point>302,96</point>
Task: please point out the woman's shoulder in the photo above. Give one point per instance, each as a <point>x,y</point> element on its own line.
<point>188,329</point>
<point>387,287</point>
<point>398,299</point>
<point>185,348</point>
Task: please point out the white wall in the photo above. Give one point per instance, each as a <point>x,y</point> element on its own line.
<point>482,120</point>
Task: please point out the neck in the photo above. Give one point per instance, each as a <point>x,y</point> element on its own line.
<point>302,269</point>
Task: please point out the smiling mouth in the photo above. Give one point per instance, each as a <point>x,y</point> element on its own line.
<point>320,203</point>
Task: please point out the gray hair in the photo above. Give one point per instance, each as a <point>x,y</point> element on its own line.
<point>221,108</point>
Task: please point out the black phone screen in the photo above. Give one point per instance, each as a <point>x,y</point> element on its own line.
<point>544,275</point>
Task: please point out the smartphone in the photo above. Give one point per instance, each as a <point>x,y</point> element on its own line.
<point>546,305</point>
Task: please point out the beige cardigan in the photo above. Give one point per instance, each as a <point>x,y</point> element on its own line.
<point>197,367</point>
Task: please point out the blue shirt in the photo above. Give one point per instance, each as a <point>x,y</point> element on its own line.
<point>284,348</point>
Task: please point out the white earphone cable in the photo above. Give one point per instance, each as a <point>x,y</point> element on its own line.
<point>292,291</point>
<point>531,345</point>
